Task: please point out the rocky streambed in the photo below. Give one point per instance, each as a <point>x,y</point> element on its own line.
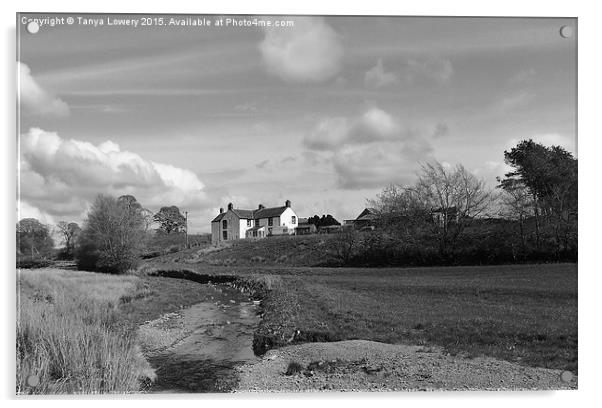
<point>197,349</point>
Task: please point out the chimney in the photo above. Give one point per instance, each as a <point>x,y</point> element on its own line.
<point>287,203</point>
<point>260,207</point>
<point>230,207</point>
<point>221,210</point>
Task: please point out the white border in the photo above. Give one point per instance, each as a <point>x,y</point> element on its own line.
<point>590,271</point>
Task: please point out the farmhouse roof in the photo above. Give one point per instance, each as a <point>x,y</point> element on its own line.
<point>253,214</point>
<point>268,212</point>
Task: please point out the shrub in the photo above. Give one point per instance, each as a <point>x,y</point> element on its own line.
<point>113,236</point>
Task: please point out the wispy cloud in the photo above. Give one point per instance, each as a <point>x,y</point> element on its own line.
<point>377,77</point>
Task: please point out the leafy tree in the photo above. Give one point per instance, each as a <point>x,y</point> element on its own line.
<point>130,202</point>
<point>113,236</point>
<point>550,176</point>
<point>324,221</point>
<point>33,238</point>
<point>170,219</point>
<point>70,232</point>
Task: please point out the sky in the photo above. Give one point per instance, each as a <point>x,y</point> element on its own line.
<point>325,111</point>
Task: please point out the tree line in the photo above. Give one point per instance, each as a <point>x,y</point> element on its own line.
<point>450,216</point>
<point>112,239</point>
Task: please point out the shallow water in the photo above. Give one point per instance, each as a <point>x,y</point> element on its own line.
<point>212,338</point>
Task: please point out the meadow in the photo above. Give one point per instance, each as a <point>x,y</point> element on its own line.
<point>521,313</point>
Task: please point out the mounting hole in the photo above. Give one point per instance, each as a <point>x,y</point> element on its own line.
<point>566,376</point>
<point>33,27</point>
<point>566,31</point>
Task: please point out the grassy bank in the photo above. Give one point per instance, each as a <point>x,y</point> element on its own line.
<point>76,330</point>
<point>68,334</point>
<point>521,313</point>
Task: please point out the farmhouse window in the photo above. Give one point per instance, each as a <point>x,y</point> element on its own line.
<point>225,224</point>
<point>270,221</point>
<point>249,223</point>
<point>293,219</point>
<point>225,235</point>
<point>269,231</point>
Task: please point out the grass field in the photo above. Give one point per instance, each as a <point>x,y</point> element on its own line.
<point>521,313</point>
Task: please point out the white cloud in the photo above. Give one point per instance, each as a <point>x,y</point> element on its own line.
<point>309,51</point>
<point>377,77</point>
<point>375,166</point>
<point>34,100</point>
<point>373,125</point>
<point>371,150</point>
<point>61,177</point>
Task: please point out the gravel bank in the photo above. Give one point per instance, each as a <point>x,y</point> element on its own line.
<point>360,365</point>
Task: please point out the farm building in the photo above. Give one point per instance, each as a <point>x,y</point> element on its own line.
<point>236,223</point>
<point>365,221</point>
<point>305,228</point>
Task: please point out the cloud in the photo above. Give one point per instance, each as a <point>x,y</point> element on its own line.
<point>440,70</point>
<point>512,102</point>
<point>372,125</point>
<point>374,166</point>
<point>61,177</point>
<point>34,100</point>
<point>369,151</point>
<point>441,130</point>
<point>377,77</point>
<point>311,51</point>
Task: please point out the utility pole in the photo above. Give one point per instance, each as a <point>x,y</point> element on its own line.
<point>186,212</point>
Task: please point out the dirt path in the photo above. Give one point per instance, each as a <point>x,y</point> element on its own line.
<point>360,365</point>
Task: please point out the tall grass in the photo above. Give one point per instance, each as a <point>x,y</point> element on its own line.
<point>69,334</point>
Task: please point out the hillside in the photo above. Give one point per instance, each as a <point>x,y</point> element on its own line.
<point>303,250</point>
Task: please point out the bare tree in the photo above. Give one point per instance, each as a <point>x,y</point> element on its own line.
<point>518,204</point>
<point>454,197</point>
<point>70,232</point>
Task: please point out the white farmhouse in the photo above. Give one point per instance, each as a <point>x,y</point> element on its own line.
<point>237,223</point>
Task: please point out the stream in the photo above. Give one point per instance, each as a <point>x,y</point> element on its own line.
<point>196,349</point>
